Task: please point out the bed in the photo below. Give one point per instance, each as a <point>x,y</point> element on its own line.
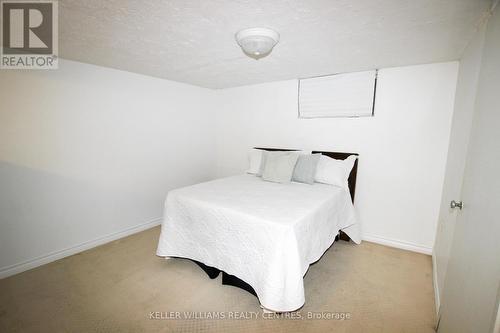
<point>262,235</point>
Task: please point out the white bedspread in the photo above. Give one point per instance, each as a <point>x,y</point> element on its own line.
<point>264,233</point>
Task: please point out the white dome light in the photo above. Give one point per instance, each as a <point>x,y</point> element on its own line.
<point>257,42</point>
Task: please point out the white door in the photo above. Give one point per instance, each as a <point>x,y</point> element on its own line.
<point>472,285</point>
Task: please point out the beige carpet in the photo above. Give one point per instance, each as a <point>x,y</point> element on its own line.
<point>115,287</point>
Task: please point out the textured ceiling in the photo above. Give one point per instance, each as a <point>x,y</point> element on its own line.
<point>192,41</point>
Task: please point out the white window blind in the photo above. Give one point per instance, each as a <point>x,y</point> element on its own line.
<point>339,95</point>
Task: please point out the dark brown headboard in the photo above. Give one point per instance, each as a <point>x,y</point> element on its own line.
<point>338,156</point>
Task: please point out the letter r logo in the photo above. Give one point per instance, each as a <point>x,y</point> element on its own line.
<point>27,27</point>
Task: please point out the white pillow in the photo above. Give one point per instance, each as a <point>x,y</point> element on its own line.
<point>255,157</point>
<point>334,172</point>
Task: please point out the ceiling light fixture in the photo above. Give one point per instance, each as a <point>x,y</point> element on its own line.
<point>257,42</point>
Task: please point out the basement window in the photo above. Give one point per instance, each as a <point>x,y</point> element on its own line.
<point>339,95</point>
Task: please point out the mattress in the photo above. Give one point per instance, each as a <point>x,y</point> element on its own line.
<point>266,234</point>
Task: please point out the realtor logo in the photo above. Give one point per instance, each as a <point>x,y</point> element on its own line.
<point>29,34</point>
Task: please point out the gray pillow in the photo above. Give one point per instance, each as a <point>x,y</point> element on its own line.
<point>279,166</point>
<point>262,163</point>
<point>305,169</point>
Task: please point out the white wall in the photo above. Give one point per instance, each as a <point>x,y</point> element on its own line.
<point>87,154</point>
<point>402,149</point>
<point>459,139</point>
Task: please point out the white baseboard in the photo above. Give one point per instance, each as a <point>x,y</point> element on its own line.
<point>398,244</point>
<point>45,259</point>
<point>435,284</point>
